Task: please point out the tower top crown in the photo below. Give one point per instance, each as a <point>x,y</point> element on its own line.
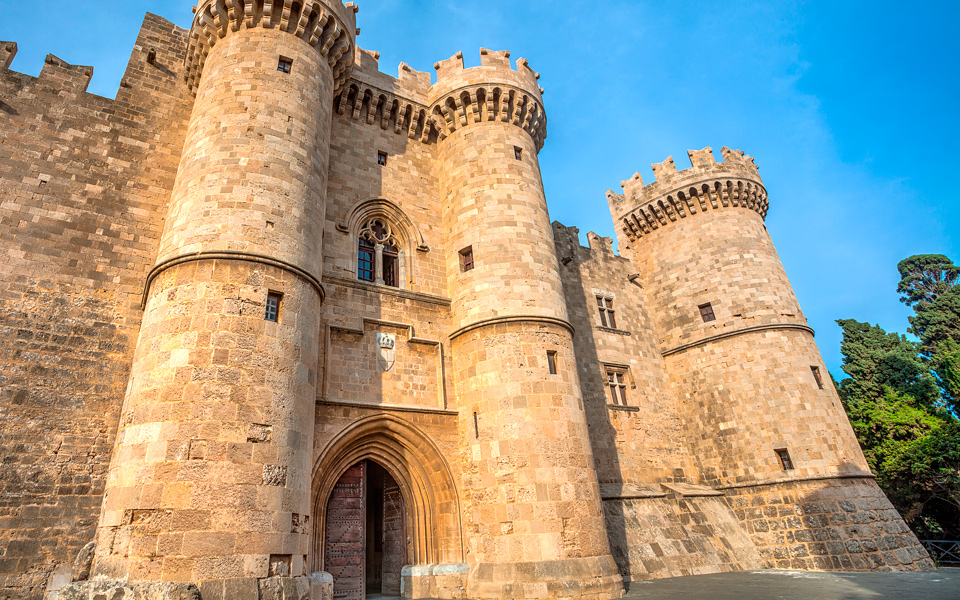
<point>494,91</point>
<point>328,25</point>
<point>495,68</point>
<point>707,184</point>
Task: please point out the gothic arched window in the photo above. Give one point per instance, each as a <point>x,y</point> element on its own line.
<point>378,254</point>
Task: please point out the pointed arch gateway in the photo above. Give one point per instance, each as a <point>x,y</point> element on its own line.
<point>413,461</point>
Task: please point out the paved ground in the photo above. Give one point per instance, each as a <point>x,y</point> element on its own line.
<point>943,584</point>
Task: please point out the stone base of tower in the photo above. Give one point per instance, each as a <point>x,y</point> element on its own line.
<point>249,588</point>
<point>844,524</point>
<point>594,578</point>
<point>670,536</point>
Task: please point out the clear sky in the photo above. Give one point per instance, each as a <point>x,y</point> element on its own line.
<point>850,108</point>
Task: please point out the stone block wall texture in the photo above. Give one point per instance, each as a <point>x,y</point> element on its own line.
<point>142,389</point>
<point>84,181</point>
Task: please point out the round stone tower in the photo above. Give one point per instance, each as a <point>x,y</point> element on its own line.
<point>533,515</point>
<point>759,403</point>
<point>210,478</point>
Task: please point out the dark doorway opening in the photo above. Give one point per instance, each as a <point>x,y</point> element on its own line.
<point>365,542</point>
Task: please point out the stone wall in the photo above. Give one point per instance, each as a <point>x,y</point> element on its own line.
<point>83,185</point>
<point>642,441</point>
<point>668,534</point>
<point>841,524</point>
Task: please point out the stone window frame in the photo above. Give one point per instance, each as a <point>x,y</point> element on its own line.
<point>817,376</point>
<point>408,239</point>
<point>605,309</point>
<point>707,313</point>
<point>616,376</point>
<point>783,456</point>
<point>272,306</point>
<point>467,259</point>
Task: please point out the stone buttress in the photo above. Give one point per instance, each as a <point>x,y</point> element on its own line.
<point>532,511</point>
<point>760,412</point>
<point>210,480</point>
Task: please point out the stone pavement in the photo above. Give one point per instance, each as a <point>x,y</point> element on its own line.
<point>942,584</point>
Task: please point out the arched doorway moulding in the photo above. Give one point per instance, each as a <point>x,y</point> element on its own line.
<point>416,464</point>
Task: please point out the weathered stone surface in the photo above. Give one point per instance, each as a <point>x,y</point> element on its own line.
<point>83,562</point>
<point>118,590</point>
<point>191,357</point>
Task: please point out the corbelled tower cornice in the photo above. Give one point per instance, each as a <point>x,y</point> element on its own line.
<point>706,185</point>
<point>491,92</point>
<point>328,26</point>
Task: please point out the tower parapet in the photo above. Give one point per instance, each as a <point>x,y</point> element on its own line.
<point>491,92</point>
<point>706,185</point>
<point>329,26</point>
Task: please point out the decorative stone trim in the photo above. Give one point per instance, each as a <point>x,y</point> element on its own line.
<point>229,255</point>
<point>783,480</point>
<point>736,332</point>
<point>386,289</point>
<point>473,104</point>
<point>512,319</point>
<point>454,110</point>
<point>313,22</point>
<point>641,210</point>
<point>372,208</point>
<point>612,330</point>
<point>391,407</point>
<point>358,99</point>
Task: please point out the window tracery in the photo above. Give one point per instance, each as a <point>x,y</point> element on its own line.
<point>378,253</point>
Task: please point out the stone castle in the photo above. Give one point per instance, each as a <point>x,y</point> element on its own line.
<point>275,324</point>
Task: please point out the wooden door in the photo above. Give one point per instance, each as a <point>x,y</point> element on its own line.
<point>394,540</point>
<point>344,544</point>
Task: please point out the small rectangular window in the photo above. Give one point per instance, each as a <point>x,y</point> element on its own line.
<point>817,376</point>
<point>285,64</point>
<point>784,457</point>
<point>518,152</point>
<point>607,316</point>
<point>466,259</point>
<point>706,312</point>
<point>476,427</point>
<point>382,159</point>
<point>552,361</point>
<point>273,306</point>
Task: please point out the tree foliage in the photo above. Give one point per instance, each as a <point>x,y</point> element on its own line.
<point>902,397</point>
<point>930,283</point>
<point>875,359</point>
<point>924,277</point>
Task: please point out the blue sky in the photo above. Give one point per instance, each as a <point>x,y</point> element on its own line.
<point>850,109</point>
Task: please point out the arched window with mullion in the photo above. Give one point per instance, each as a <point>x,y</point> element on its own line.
<point>378,255</point>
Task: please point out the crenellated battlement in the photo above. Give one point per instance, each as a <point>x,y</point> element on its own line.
<point>707,184</point>
<point>56,72</point>
<point>491,92</point>
<point>329,26</point>
<point>408,104</point>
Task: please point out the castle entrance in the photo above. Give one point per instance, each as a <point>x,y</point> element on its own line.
<point>364,541</point>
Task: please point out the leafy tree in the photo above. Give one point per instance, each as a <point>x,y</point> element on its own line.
<point>923,277</point>
<point>911,443</point>
<point>930,283</point>
<point>874,359</point>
